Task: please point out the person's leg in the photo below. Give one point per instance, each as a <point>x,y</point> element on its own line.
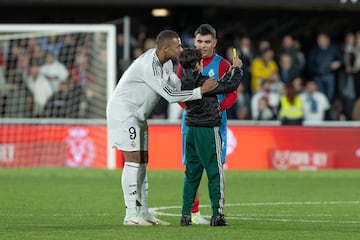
<point>129,182</point>
<point>195,211</point>
<point>193,174</point>
<point>183,139</point>
<point>142,185</point>
<point>223,134</point>
<point>211,158</point>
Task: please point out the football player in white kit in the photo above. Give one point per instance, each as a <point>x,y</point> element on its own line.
<point>148,78</point>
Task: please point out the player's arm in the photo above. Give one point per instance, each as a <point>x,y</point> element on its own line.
<point>232,79</point>
<point>171,94</point>
<point>229,82</point>
<point>179,73</point>
<point>230,97</point>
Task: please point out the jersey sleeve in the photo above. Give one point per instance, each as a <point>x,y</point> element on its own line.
<point>230,98</point>
<point>164,87</point>
<point>179,73</point>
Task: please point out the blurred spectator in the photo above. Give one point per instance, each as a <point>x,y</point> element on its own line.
<point>241,108</point>
<point>262,45</point>
<point>149,43</point>
<point>121,63</point>
<point>65,103</point>
<point>18,99</point>
<point>80,72</point>
<point>336,112</point>
<point>12,74</point>
<point>261,68</point>
<point>315,103</point>
<point>141,35</point>
<point>356,111</point>
<point>298,84</point>
<point>40,88</point>
<point>288,47</point>
<point>266,112</point>
<point>245,53</point>
<point>187,37</point>
<point>136,53</point>
<point>37,54</point>
<point>4,88</point>
<point>356,65</point>
<point>51,44</point>
<point>287,69</point>
<point>272,99</point>
<point>277,86</point>
<point>325,58</point>
<point>54,71</point>
<point>291,107</point>
<point>67,50</point>
<point>346,76</point>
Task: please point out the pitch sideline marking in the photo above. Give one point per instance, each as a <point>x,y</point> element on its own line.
<point>158,211</point>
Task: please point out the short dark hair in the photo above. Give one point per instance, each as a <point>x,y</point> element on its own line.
<point>164,37</point>
<point>205,29</point>
<point>189,57</point>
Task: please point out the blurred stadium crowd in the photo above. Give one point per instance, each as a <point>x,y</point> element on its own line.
<point>50,76</point>
<point>46,77</point>
<point>326,75</point>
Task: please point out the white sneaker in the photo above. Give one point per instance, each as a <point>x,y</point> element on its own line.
<point>136,221</point>
<point>196,218</point>
<point>151,219</point>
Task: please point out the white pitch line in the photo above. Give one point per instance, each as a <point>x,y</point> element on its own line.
<point>269,204</point>
<point>57,215</point>
<point>297,220</point>
<point>158,211</point>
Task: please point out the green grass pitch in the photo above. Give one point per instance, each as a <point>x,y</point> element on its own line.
<point>88,204</point>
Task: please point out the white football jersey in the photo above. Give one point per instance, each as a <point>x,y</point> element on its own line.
<point>142,84</point>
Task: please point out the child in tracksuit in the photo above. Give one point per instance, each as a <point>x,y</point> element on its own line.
<point>203,140</point>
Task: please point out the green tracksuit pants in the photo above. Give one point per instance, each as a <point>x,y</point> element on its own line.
<point>203,151</point>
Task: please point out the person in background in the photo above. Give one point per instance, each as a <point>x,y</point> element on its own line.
<point>277,85</point>
<point>241,108</point>
<point>290,48</point>
<point>213,66</point>
<point>298,83</point>
<point>54,71</point>
<point>315,103</point>
<point>324,59</point>
<point>287,69</point>
<point>245,53</point>
<point>266,113</point>
<point>272,99</point>
<point>356,65</point>
<point>261,68</point>
<point>356,111</point>
<point>40,88</point>
<point>291,107</point>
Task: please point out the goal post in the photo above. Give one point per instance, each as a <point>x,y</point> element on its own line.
<point>36,123</point>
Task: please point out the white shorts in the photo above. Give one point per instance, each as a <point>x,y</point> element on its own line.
<point>129,135</point>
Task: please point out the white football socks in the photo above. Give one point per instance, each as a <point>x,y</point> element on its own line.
<point>143,189</point>
<point>129,180</point>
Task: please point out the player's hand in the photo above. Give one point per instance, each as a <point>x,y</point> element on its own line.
<point>237,61</point>
<point>209,85</point>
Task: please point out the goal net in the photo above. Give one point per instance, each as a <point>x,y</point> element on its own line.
<point>54,85</point>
